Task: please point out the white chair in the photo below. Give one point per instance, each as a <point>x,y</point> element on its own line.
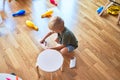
<point>49,61</point>
<point>118,21</point>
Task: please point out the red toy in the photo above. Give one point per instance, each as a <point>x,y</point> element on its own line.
<point>8,79</point>
<point>16,77</point>
<point>53,2</point>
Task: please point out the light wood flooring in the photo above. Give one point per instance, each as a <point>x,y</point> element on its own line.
<point>98,54</point>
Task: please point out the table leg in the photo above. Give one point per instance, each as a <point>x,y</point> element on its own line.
<point>38,73</point>
<point>51,76</point>
<point>118,19</point>
<point>61,69</point>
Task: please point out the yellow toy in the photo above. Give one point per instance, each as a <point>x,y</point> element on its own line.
<point>114,10</point>
<point>47,14</point>
<point>30,24</point>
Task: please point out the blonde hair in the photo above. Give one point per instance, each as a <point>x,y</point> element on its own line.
<point>56,23</point>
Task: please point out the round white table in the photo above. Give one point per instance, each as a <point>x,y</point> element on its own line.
<point>49,60</point>
<point>5,76</point>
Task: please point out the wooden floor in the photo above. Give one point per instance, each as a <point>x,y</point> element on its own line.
<point>98,54</point>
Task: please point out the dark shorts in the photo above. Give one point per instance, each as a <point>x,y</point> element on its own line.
<point>70,48</point>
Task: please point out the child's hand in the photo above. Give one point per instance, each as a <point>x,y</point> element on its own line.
<point>42,41</point>
<point>43,44</point>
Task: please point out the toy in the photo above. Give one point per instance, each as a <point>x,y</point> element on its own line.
<point>114,10</point>
<point>53,2</point>
<point>47,14</point>
<point>30,24</point>
<point>99,9</point>
<point>16,77</point>
<point>8,79</point>
<point>19,13</point>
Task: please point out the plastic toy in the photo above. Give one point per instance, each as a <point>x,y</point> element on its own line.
<point>99,9</point>
<point>47,14</point>
<point>114,10</point>
<point>8,79</point>
<point>53,2</point>
<point>19,13</point>
<point>16,77</point>
<point>30,24</point>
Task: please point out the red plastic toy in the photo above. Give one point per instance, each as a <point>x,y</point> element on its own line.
<point>53,2</point>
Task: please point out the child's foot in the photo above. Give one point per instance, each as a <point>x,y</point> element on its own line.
<point>72,62</point>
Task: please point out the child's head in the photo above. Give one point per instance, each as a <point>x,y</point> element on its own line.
<point>56,24</point>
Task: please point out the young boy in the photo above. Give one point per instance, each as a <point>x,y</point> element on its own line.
<point>66,38</point>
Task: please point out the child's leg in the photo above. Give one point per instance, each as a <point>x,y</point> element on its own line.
<point>67,51</point>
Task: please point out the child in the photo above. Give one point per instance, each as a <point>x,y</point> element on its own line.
<point>66,38</point>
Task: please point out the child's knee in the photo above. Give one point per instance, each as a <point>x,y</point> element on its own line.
<point>64,51</point>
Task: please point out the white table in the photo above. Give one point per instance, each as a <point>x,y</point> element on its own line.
<point>49,60</point>
<point>5,76</point>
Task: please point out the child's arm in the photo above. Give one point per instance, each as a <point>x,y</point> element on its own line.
<point>43,40</point>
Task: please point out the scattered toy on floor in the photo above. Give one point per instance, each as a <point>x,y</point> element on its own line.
<point>19,13</point>
<point>8,79</point>
<point>47,14</point>
<point>114,10</point>
<point>53,2</point>
<point>30,24</point>
<point>16,77</point>
<point>99,10</point>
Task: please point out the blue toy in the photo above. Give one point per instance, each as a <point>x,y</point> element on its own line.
<point>19,13</point>
<point>99,9</point>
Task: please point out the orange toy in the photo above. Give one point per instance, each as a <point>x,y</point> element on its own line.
<point>47,14</point>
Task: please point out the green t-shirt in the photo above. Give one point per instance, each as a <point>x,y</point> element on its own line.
<point>67,38</point>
